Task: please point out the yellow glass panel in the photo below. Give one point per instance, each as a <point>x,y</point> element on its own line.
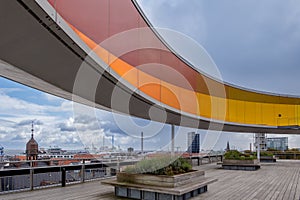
<point>292,115</point>
<point>268,116</point>
<point>222,107</point>
<point>214,107</point>
<point>240,111</point>
<point>258,113</point>
<point>297,114</point>
<point>204,105</point>
<point>232,111</point>
<point>250,113</point>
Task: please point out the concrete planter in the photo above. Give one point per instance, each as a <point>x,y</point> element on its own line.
<point>267,159</point>
<point>240,162</point>
<point>161,180</point>
<point>247,165</point>
<point>158,187</point>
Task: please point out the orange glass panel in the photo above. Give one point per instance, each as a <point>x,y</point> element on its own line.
<point>151,89</point>
<point>188,101</point>
<point>170,95</point>
<point>149,85</point>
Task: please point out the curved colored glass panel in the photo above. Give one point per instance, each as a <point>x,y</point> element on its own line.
<point>96,21</point>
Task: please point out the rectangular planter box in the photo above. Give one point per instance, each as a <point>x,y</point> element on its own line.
<point>240,162</point>
<point>247,165</point>
<point>156,187</point>
<point>161,180</point>
<point>151,195</point>
<point>267,159</point>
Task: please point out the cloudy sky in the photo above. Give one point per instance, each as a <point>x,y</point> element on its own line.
<point>254,43</point>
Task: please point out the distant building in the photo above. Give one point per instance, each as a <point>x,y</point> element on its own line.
<point>193,142</point>
<point>227,146</point>
<point>278,143</point>
<point>32,148</point>
<point>1,153</point>
<point>261,140</point>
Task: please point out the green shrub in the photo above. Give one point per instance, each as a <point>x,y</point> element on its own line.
<point>271,149</point>
<point>236,155</point>
<point>232,155</point>
<point>160,166</point>
<point>247,152</point>
<point>263,153</point>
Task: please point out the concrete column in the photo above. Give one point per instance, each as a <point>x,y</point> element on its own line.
<point>82,172</point>
<point>63,177</point>
<point>142,143</point>
<point>31,175</point>
<point>118,165</point>
<point>172,138</point>
<point>258,147</point>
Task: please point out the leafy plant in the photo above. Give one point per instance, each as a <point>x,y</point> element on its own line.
<point>236,155</point>
<point>264,153</point>
<point>161,166</point>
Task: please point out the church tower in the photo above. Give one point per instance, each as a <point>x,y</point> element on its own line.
<point>227,147</point>
<point>32,148</point>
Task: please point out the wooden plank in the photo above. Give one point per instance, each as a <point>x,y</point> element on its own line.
<point>297,194</point>
<point>271,185</point>
<point>289,187</point>
<point>279,180</point>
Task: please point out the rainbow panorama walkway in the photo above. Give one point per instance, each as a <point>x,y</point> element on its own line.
<point>279,180</point>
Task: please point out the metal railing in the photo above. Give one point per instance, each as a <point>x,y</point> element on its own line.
<point>19,179</point>
<point>30,178</point>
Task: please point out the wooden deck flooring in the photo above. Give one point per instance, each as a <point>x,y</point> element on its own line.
<point>278,181</point>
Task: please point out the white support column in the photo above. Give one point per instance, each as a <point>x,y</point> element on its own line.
<point>142,143</point>
<point>258,149</point>
<point>172,138</point>
<point>258,144</point>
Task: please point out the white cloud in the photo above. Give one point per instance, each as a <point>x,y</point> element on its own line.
<point>16,116</point>
<point>20,107</point>
<point>188,16</point>
<point>57,126</point>
<point>8,90</point>
<point>51,98</point>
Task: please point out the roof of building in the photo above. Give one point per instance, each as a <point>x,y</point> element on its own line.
<point>31,143</point>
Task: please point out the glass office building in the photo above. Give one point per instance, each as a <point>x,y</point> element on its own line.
<point>278,143</point>
<point>193,142</point>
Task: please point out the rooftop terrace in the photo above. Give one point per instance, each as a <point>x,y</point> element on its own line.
<point>279,180</point>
